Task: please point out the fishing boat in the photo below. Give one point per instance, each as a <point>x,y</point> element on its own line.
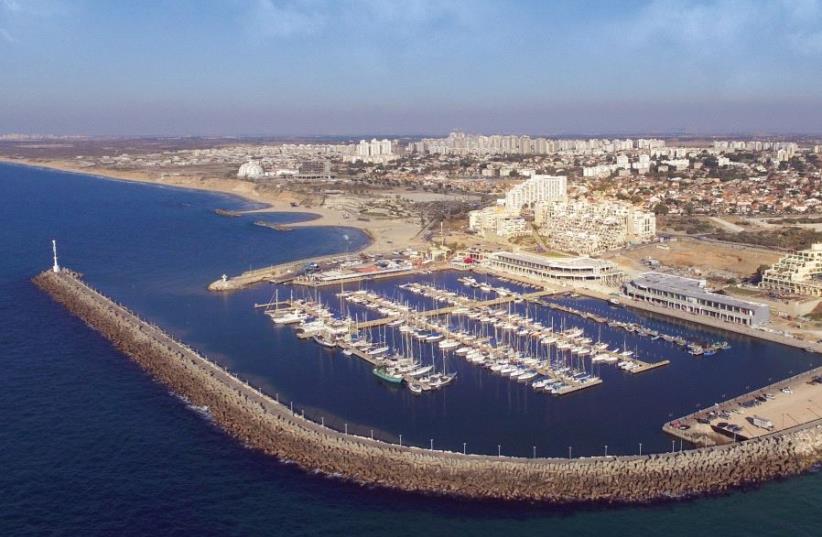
<point>383,374</point>
<point>415,388</point>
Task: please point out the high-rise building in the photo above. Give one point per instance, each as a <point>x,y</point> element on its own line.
<point>538,188</point>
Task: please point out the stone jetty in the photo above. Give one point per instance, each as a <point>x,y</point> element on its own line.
<point>262,423</point>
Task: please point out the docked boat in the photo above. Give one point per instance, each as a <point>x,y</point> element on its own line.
<point>383,374</point>
<point>420,371</point>
<point>447,344</point>
<point>696,350</point>
<point>291,317</point>
<point>378,351</point>
<point>326,340</point>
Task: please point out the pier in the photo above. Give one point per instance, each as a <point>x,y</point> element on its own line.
<point>795,402</point>
<point>262,422</point>
<point>465,303</point>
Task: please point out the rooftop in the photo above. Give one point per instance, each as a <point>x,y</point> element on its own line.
<point>687,286</point>
<point>580,262</point>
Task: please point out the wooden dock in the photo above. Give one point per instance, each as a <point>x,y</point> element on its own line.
<point>464,303</point>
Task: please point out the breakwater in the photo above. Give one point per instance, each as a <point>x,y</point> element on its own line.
<point>263,423</point>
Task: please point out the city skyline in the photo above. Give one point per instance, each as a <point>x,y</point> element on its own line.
<point>290,68</point>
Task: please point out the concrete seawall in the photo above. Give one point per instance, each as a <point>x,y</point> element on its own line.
<point>262,423</point>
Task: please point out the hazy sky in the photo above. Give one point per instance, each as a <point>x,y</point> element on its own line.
<point>409,66</point>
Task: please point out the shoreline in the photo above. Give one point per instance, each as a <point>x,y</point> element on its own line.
<point>382,235</point>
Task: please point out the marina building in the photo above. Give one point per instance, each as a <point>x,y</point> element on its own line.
<point>691,295</point>
<point>797,273</point>
<point>554,269</point>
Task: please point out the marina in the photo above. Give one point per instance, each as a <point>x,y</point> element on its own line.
<point>411,344</point>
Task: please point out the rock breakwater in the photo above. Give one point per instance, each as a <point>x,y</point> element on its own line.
<point>263,423</point>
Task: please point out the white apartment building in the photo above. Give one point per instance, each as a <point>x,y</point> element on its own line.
<point>797,273</point>
<point>497,220</point>
<point>537,189</point>
<point>622,162</point>
<point>591,228</point>
<point>374,151</point>
<point>599,171</point>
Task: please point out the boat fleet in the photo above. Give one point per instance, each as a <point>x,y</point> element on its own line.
<point>411,347</point>
<point>692,347</point>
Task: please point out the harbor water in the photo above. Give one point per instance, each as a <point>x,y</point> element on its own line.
<point>92,446</point>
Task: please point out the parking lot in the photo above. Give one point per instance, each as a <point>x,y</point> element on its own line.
<point>780,406</point>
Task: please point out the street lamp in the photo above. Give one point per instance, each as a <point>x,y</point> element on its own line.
<point>463,447</point>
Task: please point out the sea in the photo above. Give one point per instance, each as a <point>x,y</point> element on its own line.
<point>90,445</point>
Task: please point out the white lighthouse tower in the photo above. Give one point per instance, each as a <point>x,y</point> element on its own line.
<point>56,267</point>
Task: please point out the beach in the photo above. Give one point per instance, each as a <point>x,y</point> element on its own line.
<point>385,235</point>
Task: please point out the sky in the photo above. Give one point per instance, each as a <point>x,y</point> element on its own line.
<point>322,67</point>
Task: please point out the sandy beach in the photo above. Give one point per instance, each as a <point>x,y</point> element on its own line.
<point>385,235</point>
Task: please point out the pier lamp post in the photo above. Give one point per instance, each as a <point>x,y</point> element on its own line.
<point>432,444</point>
<point>346,428</point>
<point>463,447</point>
<point>673,446</point>
<point>535,451</point>
<point>569,452</point>
<point>322,421</point>
<point>640,449</point>
<point>372,434</point>
<point>292,407</point>
<point>606,450</point>
<point>400,440</point>
<point>499,450</point>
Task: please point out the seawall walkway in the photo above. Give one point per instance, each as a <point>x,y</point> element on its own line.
<point>263,423</point>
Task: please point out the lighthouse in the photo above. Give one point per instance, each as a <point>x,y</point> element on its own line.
<point>56,267</point>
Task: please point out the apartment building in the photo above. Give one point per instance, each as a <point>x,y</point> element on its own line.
<point>799,273</point>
